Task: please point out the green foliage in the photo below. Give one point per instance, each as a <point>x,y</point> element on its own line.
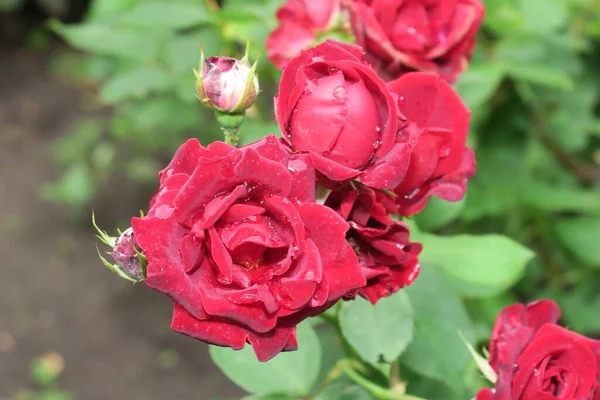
<point>437,351</point>
<point>291,373</point>
<point>482,264</point>
<point>528,228</point>
<point>381,332</point>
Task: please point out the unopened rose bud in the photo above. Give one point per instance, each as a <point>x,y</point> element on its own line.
<point>227,84</point>
<point>127,257</point>
<point>130,262</point>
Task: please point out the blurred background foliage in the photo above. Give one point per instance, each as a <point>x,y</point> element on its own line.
<point>533,86</point>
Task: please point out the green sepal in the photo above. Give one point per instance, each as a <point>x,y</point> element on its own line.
<point>247,88</point>
<point>116,269</point>
<point>143,263</point>
<point>482,364</point>
<point>102,235</point>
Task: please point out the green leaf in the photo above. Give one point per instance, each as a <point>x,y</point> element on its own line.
<point>171,15</point>
<point>581,235</point>
<point>438,213</point>
<point>378,332</point>
<point>488,264</point>
<point>437,351</point>
<point>128,42</point>
<point>292,373</point>
<point>137,83</point>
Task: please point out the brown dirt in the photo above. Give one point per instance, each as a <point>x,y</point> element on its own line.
<point>54,293</point>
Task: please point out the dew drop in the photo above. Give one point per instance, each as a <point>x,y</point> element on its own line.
<point>248,298</point>
<point>339,93</point>
<point>401,101</point>
<point>444,152</point>
<point>333,70</point>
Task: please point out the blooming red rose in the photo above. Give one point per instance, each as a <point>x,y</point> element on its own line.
<point>424,35</point>
<point>440,162</point>
<point>234,238</point>
<point>299,23</point>
<point>388,259</point>
<point>535,359</point>
<point>335,107</point>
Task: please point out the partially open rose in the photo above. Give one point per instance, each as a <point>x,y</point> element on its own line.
<point>423,35</point>
<point>334,107</point>
<point>440,162</point>
<point>388,259</point>
<point>235,239</point>
<point>536,359</point>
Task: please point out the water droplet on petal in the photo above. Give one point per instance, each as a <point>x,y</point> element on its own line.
<point>444,152</point>
<point>339,93</point>
<point>401,101</point>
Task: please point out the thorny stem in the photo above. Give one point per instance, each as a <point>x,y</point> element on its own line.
<point>232,136</point>
<point>395,375</point>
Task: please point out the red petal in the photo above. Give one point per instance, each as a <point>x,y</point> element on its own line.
<point>215,331</point>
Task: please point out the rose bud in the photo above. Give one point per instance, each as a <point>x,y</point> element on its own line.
<point>534,358</point>
<point>226,84</point>
<point>418,35</point>
<point>335,107</point>
<point>389,261</point>
<point>438,124</point>
<point>130,263</point>
<point>236,239</point>
<point>300,22</point>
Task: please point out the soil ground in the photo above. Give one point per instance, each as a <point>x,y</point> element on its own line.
<point>54,292</point>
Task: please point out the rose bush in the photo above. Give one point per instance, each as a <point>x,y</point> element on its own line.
<point>422,35</point>
<point>536,359</point>
<point>299,23</point>
<point>387,258</point>
<point>234,237</point>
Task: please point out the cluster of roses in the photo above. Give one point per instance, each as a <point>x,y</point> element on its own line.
<point>398,36</point>
<point>250,241</point>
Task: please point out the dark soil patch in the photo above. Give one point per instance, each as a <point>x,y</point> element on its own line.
<point>54,292</point>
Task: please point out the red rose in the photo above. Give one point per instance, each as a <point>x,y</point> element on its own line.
<point>423,35</point>
<point>234,238</point>
<point>335,107</point>
<point>440,162</point>
<point>388,259</point>
<point>299,23</point>
<point>535,359</point>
